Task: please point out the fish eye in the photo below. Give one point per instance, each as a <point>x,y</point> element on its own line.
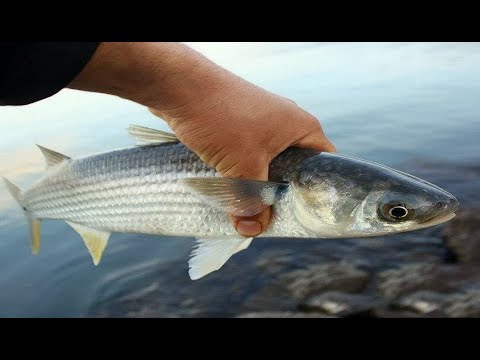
<point>398,212</point>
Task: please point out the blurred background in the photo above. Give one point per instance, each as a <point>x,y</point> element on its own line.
<point>412,106</point>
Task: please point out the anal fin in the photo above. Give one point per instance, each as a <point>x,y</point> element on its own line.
<point>95,240</point>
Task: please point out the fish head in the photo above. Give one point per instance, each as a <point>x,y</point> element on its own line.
<point>342,196</point>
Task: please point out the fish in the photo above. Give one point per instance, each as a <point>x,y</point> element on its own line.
<point>160,187</point>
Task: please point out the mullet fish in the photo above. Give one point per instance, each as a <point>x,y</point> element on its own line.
<point>160,187</point>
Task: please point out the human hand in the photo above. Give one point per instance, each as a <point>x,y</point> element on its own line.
<point>233,125</point>
<point>238,128</point>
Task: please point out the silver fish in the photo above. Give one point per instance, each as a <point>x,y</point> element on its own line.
<point>161,187</point>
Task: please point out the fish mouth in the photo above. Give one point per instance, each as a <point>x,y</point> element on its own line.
<point>437,220</point>
<point>449,206</point>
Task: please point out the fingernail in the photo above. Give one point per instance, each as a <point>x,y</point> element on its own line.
<point>249,228</point>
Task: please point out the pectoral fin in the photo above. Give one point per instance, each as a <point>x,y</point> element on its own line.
<point>239,197</point>
<point>95,240</point>
<point>211,254</point>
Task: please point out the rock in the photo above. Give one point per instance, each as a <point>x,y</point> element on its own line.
<point>281,314</point>
<point>460,277</point>
<point>320,278</point>
<point>423,302</point>
<point>462,236</point>
<point>274,261</point>
<point>463,305</point>
<point>140,293</point>
<point>188,303</point>
<point>359,263</point>
<point>409,278</point>
<point>386,312</point>
<point>273,296</point>
<point>341,304</point>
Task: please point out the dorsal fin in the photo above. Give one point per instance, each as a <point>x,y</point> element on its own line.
<point>52,157</point>
<point>147,136</point>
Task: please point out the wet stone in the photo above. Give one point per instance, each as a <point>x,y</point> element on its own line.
<point>274,261</point>
<point>463,305</point>
<point>387,312</point>
<point>409,278</point>
<point>423,302</point>
<point>341,304</point>
<point>320,278</point>
<point>462,236</point>
<point>282,314</point>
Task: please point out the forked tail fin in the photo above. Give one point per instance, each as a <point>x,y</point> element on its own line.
<point>33,223</point>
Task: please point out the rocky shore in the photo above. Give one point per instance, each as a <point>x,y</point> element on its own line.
<point>429,273</point>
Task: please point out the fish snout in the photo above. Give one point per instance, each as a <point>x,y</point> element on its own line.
<point>453,204</point>
<point>449,205</point>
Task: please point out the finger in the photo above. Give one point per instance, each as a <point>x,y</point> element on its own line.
<point>293,102</point>
<point>316,139</point>
<point>251,226</point>
<point>155,112</point>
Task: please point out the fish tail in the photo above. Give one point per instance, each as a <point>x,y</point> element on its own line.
<point>33,223</point>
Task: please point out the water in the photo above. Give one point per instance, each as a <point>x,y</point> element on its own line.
<point>413,106</point>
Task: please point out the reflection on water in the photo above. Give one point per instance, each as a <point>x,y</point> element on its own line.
<point>412,106</point>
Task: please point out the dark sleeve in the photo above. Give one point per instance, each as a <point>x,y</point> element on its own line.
<point>34,71</point>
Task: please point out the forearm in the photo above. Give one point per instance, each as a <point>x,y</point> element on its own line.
<point>164,76</point>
